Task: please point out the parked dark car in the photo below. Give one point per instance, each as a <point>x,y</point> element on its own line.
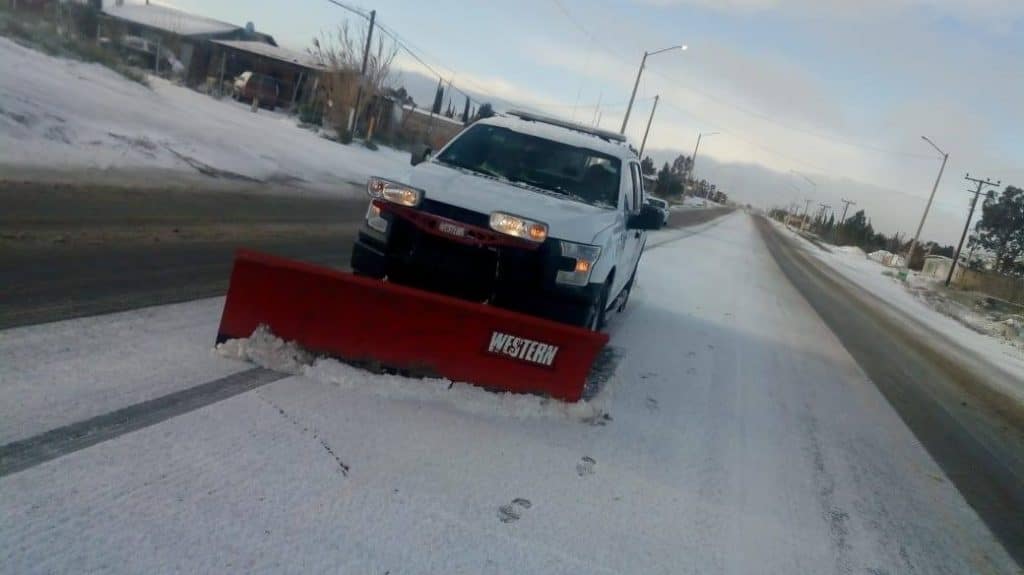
<point>662,206</point>
<point>251,85</point>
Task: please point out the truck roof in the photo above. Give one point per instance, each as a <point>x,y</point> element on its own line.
<point>537,125</point>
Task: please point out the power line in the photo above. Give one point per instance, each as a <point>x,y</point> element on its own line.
<point>406,46</point>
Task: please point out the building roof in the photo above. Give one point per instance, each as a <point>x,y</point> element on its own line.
<point>169,20</point>
<point>273,52</point>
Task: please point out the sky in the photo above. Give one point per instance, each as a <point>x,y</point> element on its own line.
<point>811,99</point>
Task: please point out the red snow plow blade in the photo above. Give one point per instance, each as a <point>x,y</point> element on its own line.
<point>370,322</point>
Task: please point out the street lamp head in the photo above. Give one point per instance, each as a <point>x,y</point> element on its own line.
<point>684,47</point>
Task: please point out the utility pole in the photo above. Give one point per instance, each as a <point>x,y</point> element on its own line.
<point>648,130</point>
<point>846,206</point>
<point>928,206</point>
<point>693,160</point>
<point>821,214</point>
<point>835,230</point>
<point>362,76</point>
<point>970,216</point>
<point>636,84</point>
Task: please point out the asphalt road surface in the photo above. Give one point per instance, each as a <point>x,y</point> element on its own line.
<point>69,250</point>
<point>936,386</point>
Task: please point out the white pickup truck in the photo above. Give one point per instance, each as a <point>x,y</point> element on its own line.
<point>522,211</point>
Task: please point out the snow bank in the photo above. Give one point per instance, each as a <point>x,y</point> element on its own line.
<point>265,349</point>
<point>886,258</point>
<point>918,298</point>
<point>850,250</point>
<point>64,114</point>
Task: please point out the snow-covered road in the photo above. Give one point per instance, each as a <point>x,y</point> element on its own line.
<point>743,439</point>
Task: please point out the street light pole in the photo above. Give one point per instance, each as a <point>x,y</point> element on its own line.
<point>636,84</point>
<point>927,207</point>
<point>632,97</point>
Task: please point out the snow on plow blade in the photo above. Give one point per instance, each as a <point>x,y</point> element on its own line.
<point>370,322</point>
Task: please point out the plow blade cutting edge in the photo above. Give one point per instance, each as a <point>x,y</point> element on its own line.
<point>374,323</point>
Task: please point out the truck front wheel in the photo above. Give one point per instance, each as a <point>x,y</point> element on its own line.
<point>596,314</point>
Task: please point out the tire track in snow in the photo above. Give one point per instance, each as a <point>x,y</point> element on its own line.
<point>33,451</point>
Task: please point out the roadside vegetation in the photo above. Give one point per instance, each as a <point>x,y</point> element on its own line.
<point>674,181</point>
<point>995,244</point>
<point>67,34</point>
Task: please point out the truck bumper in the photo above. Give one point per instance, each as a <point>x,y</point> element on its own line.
<point>507,277</point>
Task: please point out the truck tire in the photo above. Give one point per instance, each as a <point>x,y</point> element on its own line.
<point>596,315</point>
<point>627,291</point>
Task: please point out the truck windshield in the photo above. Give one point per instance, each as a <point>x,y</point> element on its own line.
<point>579,173</point>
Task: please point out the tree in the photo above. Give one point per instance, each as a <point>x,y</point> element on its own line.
<point>438,99</point>
<point>401,96</point>
<point>1001,228</point>
<point>854,229</point>
<point>341,55</point>
<point>486,110</point>
<point>647,167</point>
<point>668,184</point>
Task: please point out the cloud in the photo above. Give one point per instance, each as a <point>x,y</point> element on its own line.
<point>493,88</point>
<point>998,15</point>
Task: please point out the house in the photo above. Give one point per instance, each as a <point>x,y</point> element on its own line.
<point>936,267</point>
<point>159,34</point>
<point>297,73</point>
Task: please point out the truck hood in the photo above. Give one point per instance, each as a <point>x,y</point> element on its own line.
<point>566,219</point>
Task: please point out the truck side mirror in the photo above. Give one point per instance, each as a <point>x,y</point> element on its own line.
<point>420,154</point>
<point>649,218</point>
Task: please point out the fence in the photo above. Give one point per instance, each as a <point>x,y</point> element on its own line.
<point>404,125</point>
<point>1002,287</point>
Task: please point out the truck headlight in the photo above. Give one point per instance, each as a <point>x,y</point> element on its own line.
<point>584,257</point>
<point>519,227</point>
<point>394,192</point>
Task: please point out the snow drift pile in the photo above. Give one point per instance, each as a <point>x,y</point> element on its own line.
<point>887,258</point>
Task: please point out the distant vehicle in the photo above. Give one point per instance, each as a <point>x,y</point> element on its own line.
<point>662,205</point>
<point>142,52</point>
<point>525,212</point>
<point>249,85</point>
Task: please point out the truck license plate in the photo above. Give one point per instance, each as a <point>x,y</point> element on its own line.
<point>451,229</point>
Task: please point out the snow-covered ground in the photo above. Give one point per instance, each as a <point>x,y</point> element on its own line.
<point>742,439</point>
<point>692,203</point>
<point>53,375</point>
<point>882,282</point>
<point>67,115</point>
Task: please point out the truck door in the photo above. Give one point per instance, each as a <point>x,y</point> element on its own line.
<point>634,238</point>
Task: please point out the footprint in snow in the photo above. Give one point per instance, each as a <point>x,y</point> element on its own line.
<point>513,511</point>
<point>586,466</point>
